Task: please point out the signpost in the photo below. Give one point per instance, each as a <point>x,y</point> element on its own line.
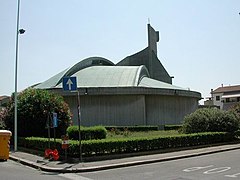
<point>54,125</point>
<point>52,122</point>
<point>55,121</point>
<point>65,144</point>
<point>70,84</point>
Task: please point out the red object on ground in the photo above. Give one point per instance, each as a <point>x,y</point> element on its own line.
<point>47,153</point>
<point>55,154</point>
<point>51,154</point>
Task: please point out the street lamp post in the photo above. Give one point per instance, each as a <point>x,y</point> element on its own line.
<point>19,31</point>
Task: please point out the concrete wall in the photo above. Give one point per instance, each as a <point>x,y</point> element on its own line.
<point>148,58</point>
<point>131,109</point>
<point>109,110</point>
<point>168,109</point>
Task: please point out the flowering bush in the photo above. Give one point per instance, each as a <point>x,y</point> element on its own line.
<point>35,108</point>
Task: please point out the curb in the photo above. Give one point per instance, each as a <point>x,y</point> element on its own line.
<point>113,166</point>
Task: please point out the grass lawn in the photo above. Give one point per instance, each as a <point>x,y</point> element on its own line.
<point>129,134</point>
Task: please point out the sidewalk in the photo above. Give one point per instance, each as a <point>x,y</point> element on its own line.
<point>75,166</point>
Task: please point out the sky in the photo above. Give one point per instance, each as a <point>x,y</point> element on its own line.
<point>199,39</point>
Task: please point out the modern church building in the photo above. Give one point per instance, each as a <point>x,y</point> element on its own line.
<point>136,91</point>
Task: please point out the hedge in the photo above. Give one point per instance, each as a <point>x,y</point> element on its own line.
<point>132,128</point>
<point>87,133</point>
<point>143,128</point>
<point>117,146</point>
<point>172,127</point>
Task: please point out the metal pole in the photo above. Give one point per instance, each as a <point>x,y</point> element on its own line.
<point>49,133</point>
<point>79,128</point>
<point>16,68</point>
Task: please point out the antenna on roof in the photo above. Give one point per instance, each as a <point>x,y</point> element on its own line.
<point>148,20</point>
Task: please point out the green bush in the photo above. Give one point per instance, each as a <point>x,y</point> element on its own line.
<point>236,108</point>
<point>87,133</point>
<point>172,127</point>
<point>35,106</point>
<point>118,146</point>
<point>132,128</point>
<point>211,120</point>
<point>142,128</point>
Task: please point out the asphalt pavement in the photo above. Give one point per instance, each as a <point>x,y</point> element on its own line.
<point>75,166</point>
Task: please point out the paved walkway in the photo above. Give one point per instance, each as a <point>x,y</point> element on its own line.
<point>75,166</point>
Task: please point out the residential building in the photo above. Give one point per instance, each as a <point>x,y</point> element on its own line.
<point>226,96</point>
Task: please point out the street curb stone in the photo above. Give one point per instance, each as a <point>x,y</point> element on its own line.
<point>119,165</point>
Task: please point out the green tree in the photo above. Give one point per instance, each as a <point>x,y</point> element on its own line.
<point>211,120</point>
<point>35,107</point>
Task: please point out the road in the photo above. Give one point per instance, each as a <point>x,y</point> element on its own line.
<point>10,170</point>
<point>218,166</point>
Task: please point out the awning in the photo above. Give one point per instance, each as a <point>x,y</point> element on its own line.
<point>230,96</point>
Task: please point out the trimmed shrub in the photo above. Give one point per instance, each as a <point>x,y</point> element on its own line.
<point>87,133</point>
<point>118,146</point>
<point>143,128</point>
<point>132,128</point>
<point>211,120</point>
<point>172,127</point>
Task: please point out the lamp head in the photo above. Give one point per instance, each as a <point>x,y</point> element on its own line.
<point>21,31</point>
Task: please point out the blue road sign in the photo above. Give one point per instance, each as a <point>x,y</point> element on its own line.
<point>55,123</point>
<point>69,83</point>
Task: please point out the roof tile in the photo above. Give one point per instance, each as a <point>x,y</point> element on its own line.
<point>225,89</point>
